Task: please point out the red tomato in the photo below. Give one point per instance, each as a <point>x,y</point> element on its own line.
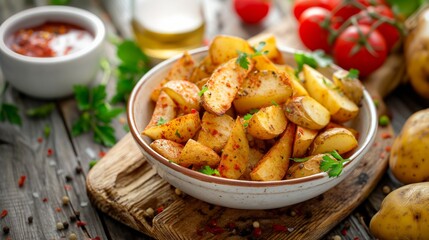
<point>360,48</point>
<point>346,8</point>
<point>390,33</point>
<point>252,11</point>
<point>300,6</point>
<point>313,29</point>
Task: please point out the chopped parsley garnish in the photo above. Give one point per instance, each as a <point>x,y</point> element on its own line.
<point>203,90</point>
<point>10,113</point>
<point>209,171</point>
<point>178,134</point>
<point>314,59</point>
<point>300,160</point>
<point>41,111</point>
<point>248,116</point>
<point>333,166</point>
<point>274,103</point>
<point>47,131</point>
<point>242,58</point>
<point>161,121</point>
<point>353,74</point>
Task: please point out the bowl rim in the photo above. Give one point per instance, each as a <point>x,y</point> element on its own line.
<point>47,13</point>
<point>225,181</point>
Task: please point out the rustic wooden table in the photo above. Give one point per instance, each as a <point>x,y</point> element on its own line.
<point>49,178</point>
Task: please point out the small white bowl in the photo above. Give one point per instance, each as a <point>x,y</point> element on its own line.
<point>239,193</point>
<point>51,77</point>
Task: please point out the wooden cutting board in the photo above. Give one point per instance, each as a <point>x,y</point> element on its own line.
<point>124,185</point>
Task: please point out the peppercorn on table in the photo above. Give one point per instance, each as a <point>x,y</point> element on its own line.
<point>44,166</point>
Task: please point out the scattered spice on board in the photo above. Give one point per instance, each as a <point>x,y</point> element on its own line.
<point>50,152</point>
<point>30,219</point>
<point>101,154</point>
<point>279,228</point>
<point>68,178</point>
<point>67,187</point>
<point>257,232</point>
<point>60,226</point>
<point>21,181</point>
<point>386,190</point>
<point>3,213</point>
<point>386,135</point>
<point>81,224</point>
<point>72,236</point>
<point>66,225</point>
<point>65,200</point>
<point>159,209</point>
<point>57,209</point>
<point>72,218</point>
<point>344,232</point>
<point>45,200</point>
<point>6,230</point>
<point>78,170</point>
<point>39,140</point>
<point>388,148</point>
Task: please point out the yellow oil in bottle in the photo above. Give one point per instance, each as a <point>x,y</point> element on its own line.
<point>166,31</point>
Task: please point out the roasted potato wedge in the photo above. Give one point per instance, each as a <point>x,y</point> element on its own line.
<point>179,130</point>
<point>203,70</point>
<point>215,130</point>
<point>303,139</point>
<point>235,155</point>
<point>297,87</point>
<point>224,48</point>
<point>196,154</point>
<point>351,87</point>
<point>222,87</point>
<point>307,168</point>
<point>261,89</point>
<point>339,139</point>
<point>337,125</point>
<point>274,164</point>
<point>168,149</point>
<point>307,112</point>
<point>200,84</point>
<point>164,111</point>
<point>254,157</point>
<point>263,63</point>
<point>270,47</point>
<point>181,70</point>
<point>267,123</point>
<point>326,93</point>
<point>184,93</point>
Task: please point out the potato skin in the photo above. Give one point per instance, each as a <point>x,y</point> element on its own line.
<point>267,123</point>
<point>168,149</point>
<point>339,139</point>
<point>304,169</point>
<point>307,112</point>
<point>184,93</point>
<point>198,155</point>
<point>404,214</point>
<point>409,158</point>
<point>215,130</point>
<point>165,108</point>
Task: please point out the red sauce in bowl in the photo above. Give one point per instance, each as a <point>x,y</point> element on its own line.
<point>51,39</point>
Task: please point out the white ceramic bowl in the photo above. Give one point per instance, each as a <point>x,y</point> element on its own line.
<point>51,77</point>
<point>238,193</point>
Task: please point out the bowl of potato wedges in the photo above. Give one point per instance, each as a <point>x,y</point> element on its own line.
<point>244,124</point>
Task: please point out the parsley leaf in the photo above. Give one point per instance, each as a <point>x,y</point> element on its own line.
<point>248,116</point>
<point>134,64</point>
<point>41,111</point>
<point>242,60</point>
<point>353,74</point>
<point>209,171</point>
<point>274,103</point>
<point>10,113</point>
<point>96,114</point>
<point>47,131</point>
<point>161,121</point>
<point>300,160</point>
<point>178,134</point>
<point>203,90</point>
<point>314,59</point>
<point>333,166</point>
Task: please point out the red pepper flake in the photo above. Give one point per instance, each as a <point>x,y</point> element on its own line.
<point>356,238</point>
<point>279,228</point>
<point>45,200</point>
<point>159,210</point>
<point>101,154</point>
<point>206,42</point>
<point>344,232</point>
<point>213,223</point>
<point>215,230</point>
<point>388,148</point>
<point>375,144</point>
<point>386,135</point>
<point>58,209</point>
<point>67,187</point>
<point>230,226</point>
<point>39,140</point>
<point>96,238</point>
<point>194,110</point>
<point>21,181</point>
<point>3,213</point>
<point>382,155</point>
<point>50,152</point>
<point>81,224</point>
<point>257,232</point>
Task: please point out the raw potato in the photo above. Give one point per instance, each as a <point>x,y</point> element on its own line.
<point>215,130</point>
<point>307,112</point>
<point>184,93</point>
<point>179,130</point>
<point>165,108</point>
<point>352,88</point>
<point>404,214</point>
<point>273,52</point>
<point>267,123</point>
<point>339,139</point>
<point>409,157</point>
<point>181,70</point>
<point>297,88</point>
<point>274,164</point>
<point>224,48</point>
<point>254,157</point>
<point>304,169</point>
<point>303,139</point>
<point>198,155</point>
<point>222,87</point>
<point>261,89</point>
<point>168,149</point>
<point>326,93</point>
<point>235,155</point>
